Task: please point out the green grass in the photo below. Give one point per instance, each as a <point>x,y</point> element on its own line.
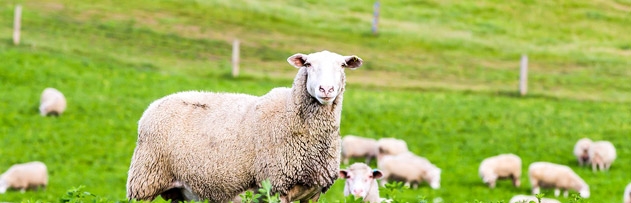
<point>441,74</point>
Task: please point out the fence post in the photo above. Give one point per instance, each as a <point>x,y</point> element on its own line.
<point>375,20</point>
<point>523,75</point>
<point>235,58</point>
<point>17,19</point>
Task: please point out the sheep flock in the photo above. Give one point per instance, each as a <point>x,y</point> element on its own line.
<point>197,145</point>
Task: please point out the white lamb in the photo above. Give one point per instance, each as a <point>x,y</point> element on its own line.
<point>503,166</point>
<point>409,168</point>
<point>361,181</point>
<point>559,177</point>
<point>627,194</point>
<point>601,155</point>
<point>358,147</point>
<point>213,146</point>
<point>528,198</point>
<point>581,149</point>
<point>391,146</point>
<point>52,102</point>
<point>30,175</point>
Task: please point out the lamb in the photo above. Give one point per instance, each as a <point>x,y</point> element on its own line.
<point>361,181</point>
<point>500,167</point>
<point>30,175</point>
<point>409,168</point>
<point>212,146</point>
<point>52,102</point>
<point>559,177</point>
<point>528,198</point>
<point>356,147</point>
<point>627,194</point>
<point>601,155</point>
<point>581,150</point>
<point>391,146</point>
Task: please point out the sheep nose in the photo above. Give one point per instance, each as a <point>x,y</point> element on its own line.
<point>326,90</point>
<point>357,191</point>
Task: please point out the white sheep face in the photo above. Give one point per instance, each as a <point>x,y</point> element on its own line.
<point>325,73</point>
<point>435,178</point>
<point>359,179</point>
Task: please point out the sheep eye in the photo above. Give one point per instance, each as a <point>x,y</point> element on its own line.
<point>307,64</point>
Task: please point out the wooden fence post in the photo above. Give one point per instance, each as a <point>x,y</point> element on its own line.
<point>235,58</point>
<point>375,20</point>
<point>17,19</point>
<point>523,75</point>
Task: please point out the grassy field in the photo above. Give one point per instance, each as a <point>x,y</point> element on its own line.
<point>441,74</point>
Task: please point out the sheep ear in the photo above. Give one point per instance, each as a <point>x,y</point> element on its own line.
<point>344,174</point>
<point>297,60</point>
<point>352,62</point>
<point>376,174</point>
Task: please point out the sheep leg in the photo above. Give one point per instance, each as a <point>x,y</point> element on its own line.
<point>535,190</point>
<point>147,179</point>
<point>516,181</point>
<point>492,184</point>
<point>557,192</point>
<point>565,193</point>
<point>313,199</point>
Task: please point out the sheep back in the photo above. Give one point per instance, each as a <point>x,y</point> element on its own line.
<point>500,166</point>
<point>24,176</point>
<point>551,175</point>
<point>356,147</point>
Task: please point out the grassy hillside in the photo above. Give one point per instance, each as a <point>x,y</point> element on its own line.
<point>441,74</point>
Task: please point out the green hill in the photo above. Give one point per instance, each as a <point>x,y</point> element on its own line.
<point>443,75</point>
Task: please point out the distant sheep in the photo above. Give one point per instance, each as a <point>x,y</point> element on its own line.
<point>391,146</point>
<point>528,198</point>
<point>559,177</point>
<point>52,102</point>
<point>409,168</point>
<point>358,147</point>
<point>30,175</point>
<point>602,154</point>
<point>500,167</point>
<point>213,146</point>
<point>627,194</point>
<point>361,181</point>
<point>581,149</point>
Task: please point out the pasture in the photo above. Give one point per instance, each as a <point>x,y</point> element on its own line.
<point>440,75</point>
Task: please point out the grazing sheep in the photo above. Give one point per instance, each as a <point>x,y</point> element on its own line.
<point>500,167</point>
<point>213,146</point>
<point>528,198</point>
<point>30,175</point>
<point>581,149</point>
<point>601,155</point>
<point>361,181</point>
<point>391,146</point>
<point>627,194</point>
<point>52,102</point>
<point>559,177</point>
<point>409,168</point>
<point>358,147</point>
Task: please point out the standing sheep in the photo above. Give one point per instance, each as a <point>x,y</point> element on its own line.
<point>627,194</point>
<point>213,146</point>
<point>559,177</point>
<point>500,167</point>
<point>361,181</point>
<point>30,175</point>
<point>581,149</point>
<point>391,146</point>
<point>528,198</point>
<point>601,155</point>
<point>358,147</point>
<point>409,168</point>
<point>52,102</point>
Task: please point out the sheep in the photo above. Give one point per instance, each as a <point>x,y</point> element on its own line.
<point>409,168</point>
<point>581,150</point>
<point>601,155</point>
<point>528,198</point>
<point>559,177</point>
<point>361,181</point>
<point>391,146</point>
<point>30,175</point>
<point>52,102</point>
<point>627,194</point>
<point>202,145</point>
<point>356,147</point>
<point>500,167</point>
